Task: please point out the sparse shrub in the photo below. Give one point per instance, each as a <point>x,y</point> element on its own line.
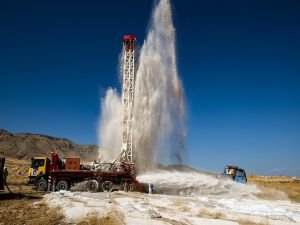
<point>27,211</point>
<point>110,219</point>
<point>211,214</point>
<point>246,221</point>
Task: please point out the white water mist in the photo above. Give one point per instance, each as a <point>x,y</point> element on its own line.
<point>159,110</point>
<point>159,104</point>
<point>109,129</point>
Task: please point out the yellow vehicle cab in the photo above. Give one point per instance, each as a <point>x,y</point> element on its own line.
<point>39,167</point>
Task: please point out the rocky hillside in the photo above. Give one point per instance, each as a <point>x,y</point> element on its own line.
<point>26,145</point>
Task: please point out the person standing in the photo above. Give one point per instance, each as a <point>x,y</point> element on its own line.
<point>2,160</point>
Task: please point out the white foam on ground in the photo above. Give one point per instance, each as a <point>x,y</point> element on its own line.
<point>196,183</point>
<point>272,209</point>
<point>75,206</point>
<point>163,209</point>
<point>215,192</point>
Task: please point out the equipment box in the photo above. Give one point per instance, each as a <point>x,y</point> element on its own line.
<point>72,164</point>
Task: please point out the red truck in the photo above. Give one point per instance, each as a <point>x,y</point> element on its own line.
<point>61,174</point>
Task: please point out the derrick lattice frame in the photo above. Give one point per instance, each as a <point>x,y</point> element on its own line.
<point>128,99</point>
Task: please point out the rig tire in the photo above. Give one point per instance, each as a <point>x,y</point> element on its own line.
<point>92,186</point>
<point>41,184</point>
<point>107,186</point>
<point>62,185</point>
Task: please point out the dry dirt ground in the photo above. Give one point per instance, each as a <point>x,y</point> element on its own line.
<point>289,185</point>
<point>27,206</point>
<point>23,204</point>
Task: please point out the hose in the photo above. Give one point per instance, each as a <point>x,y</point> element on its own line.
<point>8,187</point>
<point>5,174</point>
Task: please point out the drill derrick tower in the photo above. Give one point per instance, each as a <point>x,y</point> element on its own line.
<point>128,70</point>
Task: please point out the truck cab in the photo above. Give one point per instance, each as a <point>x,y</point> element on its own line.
<point>237,174</point>
<point>39,170</point>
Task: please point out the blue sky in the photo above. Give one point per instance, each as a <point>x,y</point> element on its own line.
<point>239,62</point>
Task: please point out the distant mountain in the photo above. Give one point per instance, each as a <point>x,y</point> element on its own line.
<point>26,145</point>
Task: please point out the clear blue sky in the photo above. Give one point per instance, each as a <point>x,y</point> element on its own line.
<point>239,62</point>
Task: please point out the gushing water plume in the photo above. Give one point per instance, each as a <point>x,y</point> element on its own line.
<point>109,132</point>
<point>159,108</point>
<point>187,181</point>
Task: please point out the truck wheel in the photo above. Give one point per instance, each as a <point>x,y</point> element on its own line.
<point>62,185</point>
<point>92,186</point>
<point>107,186</point>
<point>41,184</point>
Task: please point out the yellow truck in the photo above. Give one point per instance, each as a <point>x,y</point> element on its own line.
<point>38,172</point>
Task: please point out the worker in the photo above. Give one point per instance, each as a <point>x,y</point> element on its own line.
<point>1,179</point>
<point>151,188</point>
<point>2,182</point>
<point>5,174</point>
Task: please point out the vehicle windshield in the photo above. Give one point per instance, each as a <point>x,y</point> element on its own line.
<point>240,173</point>
<point>36,163</point>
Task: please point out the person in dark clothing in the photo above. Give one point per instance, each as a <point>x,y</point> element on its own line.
<point>2,160</point>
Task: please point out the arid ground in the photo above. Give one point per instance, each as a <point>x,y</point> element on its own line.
<point>25,205</point>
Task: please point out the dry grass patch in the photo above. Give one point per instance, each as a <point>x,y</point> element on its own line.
<point>184,209</point>
<point>245,221</point>
<point>271,193</point>
<point>24,206</point>
<point>274,179</point>
<point>182,206</point>
<point>17,171</point>
<point>203,212</point>
<point>271,187</point>
<point>112,218</point>
<point>291,190</point>
<point>25,211</point>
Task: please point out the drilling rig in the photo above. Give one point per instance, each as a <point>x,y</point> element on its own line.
<point>117,175</point>
<point>128,70</point>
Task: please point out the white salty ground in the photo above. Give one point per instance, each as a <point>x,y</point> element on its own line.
<point>186,198</point>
